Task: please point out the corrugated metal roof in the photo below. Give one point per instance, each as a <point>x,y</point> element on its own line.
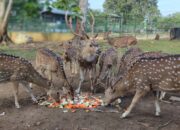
<point>56,11</point>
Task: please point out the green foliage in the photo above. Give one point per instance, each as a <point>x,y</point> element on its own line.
<point>26,9</point>
<point>136,10</point>
<point>71,5</point>
<point>169,21</point>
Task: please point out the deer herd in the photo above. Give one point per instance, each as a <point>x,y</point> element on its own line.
<point>134,72</point>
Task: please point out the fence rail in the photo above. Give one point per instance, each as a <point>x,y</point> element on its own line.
<point>102,24</point>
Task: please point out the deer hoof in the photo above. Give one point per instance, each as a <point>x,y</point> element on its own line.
<point>124,115</point>
<point>18,106</point>
<point>77,91</point>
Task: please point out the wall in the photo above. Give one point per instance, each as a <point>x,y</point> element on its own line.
<point>22,37</point>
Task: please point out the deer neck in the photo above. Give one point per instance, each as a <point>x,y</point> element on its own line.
<point>37,79</point>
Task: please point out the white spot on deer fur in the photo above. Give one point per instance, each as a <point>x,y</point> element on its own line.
<point>176,85</point>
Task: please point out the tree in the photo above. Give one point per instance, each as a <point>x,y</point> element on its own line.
<point>169,21</point>
<point>4,15</point>
<point>132,9</point>
<point>26,9</point>
<point>79,7</point>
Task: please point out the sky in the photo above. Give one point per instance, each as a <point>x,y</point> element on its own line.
<point>166,7</point>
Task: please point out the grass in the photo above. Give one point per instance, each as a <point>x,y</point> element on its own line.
<point>28,54</point>
<point>171,47</point>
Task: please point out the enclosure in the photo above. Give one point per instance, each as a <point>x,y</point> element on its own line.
<point>32,25</point>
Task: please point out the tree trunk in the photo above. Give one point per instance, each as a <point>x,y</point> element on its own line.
<point>4,15</point>
<point>83,5</point>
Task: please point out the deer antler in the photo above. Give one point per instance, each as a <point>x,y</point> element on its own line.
<point>69,25</point>
<point>92,23</point>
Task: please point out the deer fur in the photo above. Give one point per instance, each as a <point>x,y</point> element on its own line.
<point>157,37</point>
<point>87,60</point>
<point>108,62</point>
<point>145,75</point>
<point>87,51</point>
<point>18,70</point>
<point>120,42</point>
<point>134,54</point>
<point>50,62</point>
<point>70,54</point>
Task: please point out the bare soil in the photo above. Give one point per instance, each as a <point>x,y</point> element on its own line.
<point>34,117</point>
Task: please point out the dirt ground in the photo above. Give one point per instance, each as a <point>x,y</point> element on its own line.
<point>34,117</point>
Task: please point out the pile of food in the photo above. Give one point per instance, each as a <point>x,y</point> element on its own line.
<point>85,101</point>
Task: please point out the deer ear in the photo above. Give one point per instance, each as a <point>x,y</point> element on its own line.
<point>96,35</point>
<point>87,36</point>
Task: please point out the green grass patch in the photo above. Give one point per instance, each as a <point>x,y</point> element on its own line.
<point>171,47</point>
<point>27,54</point>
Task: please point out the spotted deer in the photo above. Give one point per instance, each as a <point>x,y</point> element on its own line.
<point>70,54</point>
<point>145,75</point>
<point>18,70</point>
<point>134,54</point>
<point>87,51</point>
<point>49,62</point>
<point>120,42</point>
<point>108,62</point>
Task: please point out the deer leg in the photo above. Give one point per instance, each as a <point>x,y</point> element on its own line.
<point>49,75</point>
<point>81,80</point>
<point>91,80</point>
<point>16,91</point>
<point>76,68</point>
<point>138,95</point>
<point>162,95</point>
<point>29,90</point>
<point>71,67</point>
<point>157,106</point>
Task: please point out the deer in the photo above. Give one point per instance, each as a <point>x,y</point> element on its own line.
<point>70,55</point>
<point>87,52</point>
<point>157,37</point>
<point>134,54</point>
<point>151,74</point>
<point>120,42</point>
<point>108,62</point>
<point>51,63</point>
<point>20,71</point>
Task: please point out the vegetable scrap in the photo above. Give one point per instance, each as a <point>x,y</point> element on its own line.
<point>80,102</point>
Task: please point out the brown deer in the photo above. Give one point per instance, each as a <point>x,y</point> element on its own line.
<point>134,54</point>
<point>157,37</point>
<point>18,70</point>
<point>70,55</point>
<point>120,42</point>
<point>87,52</point>
<point>49,62</point>
<point>108,62</point>
<point>145,75</point>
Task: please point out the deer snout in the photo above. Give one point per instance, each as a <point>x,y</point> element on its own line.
<point>109,66</point>
<point>98,51</point>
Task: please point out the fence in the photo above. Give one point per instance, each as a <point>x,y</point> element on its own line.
<point>102,24</point>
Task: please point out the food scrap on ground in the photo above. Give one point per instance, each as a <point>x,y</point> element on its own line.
<point>80,102</point>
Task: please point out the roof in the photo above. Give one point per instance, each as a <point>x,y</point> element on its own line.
<point>55,11</point>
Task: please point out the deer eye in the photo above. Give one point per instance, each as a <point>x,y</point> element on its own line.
<point>90,45</point>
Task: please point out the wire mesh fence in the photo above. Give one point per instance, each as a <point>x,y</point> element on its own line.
<point>102,24</point>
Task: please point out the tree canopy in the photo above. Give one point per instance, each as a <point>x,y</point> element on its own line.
<point>25,9</point>
<point>133,9</point>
